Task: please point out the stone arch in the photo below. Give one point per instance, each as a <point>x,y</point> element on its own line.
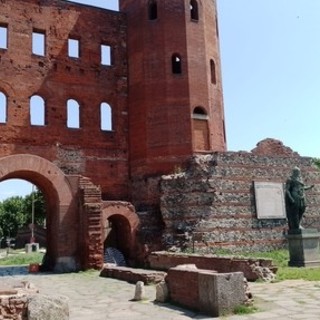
<point>125,222</point>
<point>61,210</point>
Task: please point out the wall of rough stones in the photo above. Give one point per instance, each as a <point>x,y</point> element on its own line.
<point>212,203</point>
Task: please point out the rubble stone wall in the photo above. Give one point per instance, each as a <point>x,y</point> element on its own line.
<point>212,203</point>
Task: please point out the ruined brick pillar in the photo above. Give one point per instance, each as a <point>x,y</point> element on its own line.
<point>91,245</point>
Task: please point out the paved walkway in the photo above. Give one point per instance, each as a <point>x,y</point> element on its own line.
<point>94,298</point>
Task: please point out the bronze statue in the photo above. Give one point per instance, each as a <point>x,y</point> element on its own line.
<point>295,199</point>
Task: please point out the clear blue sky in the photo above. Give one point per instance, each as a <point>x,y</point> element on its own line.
<point>270,51</point>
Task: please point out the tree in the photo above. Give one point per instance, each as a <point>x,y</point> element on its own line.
<point>12,216</point>
<point>16,212</point>
<point>317,162</point>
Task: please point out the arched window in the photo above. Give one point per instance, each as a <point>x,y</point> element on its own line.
<point>194,12</point>
<point>73,114</point>
<point>199,112</point>
<point>105,117</point>
<point>152,10</point>
<point>176,64</point>
<point>3,108</point>
<point>213,72</point>
<point>37,111</point>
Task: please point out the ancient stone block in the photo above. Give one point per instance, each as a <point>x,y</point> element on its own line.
<point>42,307</point>
<point>220,293</point>
<point>304,248</point>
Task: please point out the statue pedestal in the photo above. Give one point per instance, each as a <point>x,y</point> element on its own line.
<point>304,248</point>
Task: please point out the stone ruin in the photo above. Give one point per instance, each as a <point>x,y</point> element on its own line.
<point>206,291</point>
<point>22,301</point>
<point>212,204</point>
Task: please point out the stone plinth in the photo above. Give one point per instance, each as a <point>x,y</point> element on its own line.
<point>220,293</point>
<point>304,248</point>
<point>32,247</point>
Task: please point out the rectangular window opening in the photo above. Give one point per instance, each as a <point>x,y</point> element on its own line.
<point>106,55</point>
<point>38,43</point>
<point>73,48</point>
<point>3,37</point>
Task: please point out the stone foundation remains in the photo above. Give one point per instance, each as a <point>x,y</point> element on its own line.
<point>251,268</point>
<point>132,275</point>
<point>205,290</point>
<point>22,301</point>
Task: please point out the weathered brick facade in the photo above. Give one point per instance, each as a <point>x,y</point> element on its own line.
<point>161,85</point>
<point>162,93</point>
<point>56,78</point>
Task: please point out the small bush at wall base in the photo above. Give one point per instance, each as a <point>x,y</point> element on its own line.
<point>244,309</point>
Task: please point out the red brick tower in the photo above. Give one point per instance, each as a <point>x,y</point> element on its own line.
<point>175,92</point>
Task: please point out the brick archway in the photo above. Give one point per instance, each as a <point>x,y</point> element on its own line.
<point>123,215</point>
<point>60,205</point>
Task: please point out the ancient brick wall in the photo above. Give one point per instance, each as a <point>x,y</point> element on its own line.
<point>90,226</point>
<point>162,100</point>
<point>212,205</point>
<point>56,76</point>
<point>205,291</point>
<point>183,287</point>
<point>169,116</point>
<point>166,260</point>
<point>13,306</point>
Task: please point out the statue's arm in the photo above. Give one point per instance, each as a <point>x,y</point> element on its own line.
<point>308,187</point>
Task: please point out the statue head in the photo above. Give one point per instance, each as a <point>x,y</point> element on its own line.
<point>296,173</point>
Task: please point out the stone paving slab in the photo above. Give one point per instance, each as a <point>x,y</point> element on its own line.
<point>94,298</point>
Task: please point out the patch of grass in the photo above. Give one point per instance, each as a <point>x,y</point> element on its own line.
<point>280,259</point>
<point>21,259</point>
<point>244,309</point>
<point>291,273</point>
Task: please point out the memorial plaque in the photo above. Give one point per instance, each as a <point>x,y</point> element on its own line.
<point>270,203</point>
